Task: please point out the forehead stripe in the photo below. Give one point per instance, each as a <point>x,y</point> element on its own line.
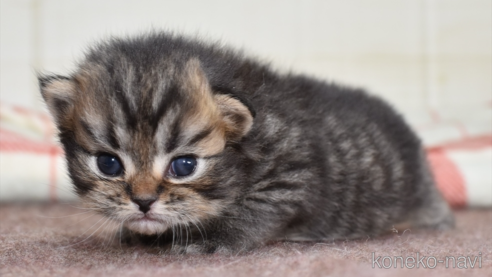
<point>199,136</point>
<point>170,100</point>
<point>111,135</point>
<point>173,140</point>
<point>88,130</point>
<point>120,97</point>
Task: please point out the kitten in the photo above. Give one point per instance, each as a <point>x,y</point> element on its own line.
<point>177,138</point>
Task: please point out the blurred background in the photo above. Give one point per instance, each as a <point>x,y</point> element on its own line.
<point>431,59</point>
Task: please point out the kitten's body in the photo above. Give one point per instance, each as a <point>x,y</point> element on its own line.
<point>279,156</point>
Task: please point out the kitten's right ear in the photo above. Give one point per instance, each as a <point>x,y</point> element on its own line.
<point>58,92</point>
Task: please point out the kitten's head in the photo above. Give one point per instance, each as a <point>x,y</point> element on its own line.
<point>144,140</point>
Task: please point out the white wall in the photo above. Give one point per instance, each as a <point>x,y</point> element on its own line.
<point>415,53</point>
<point>424,56</point>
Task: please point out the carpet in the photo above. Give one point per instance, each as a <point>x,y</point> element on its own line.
<point>63,240</point>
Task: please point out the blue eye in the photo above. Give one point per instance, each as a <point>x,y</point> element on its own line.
<point>182,166</point>
<point>109,165</point>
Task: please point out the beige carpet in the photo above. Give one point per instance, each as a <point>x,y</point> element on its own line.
<point>53,240</point>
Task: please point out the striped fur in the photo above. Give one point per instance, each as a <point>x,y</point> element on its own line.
<point>280,156</point>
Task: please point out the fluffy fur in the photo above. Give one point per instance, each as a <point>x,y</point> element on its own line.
<point>280,156</point>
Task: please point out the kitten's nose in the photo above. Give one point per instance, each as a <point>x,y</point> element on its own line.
<point>144,204</point>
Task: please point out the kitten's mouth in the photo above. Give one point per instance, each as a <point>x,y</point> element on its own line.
<point>145,218</point>
<point>147,224</point>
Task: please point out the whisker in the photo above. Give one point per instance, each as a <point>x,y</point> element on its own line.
<point>69,190</point>
<point>90,234</point>
<point>42,216</point>
<point>81,208</point>
<point>196,227</point>
<point>172,245</point>
<point>157,240</point>
<point>115,233</point>
<point>85,218</point>
<point>110,237</point>
<point>104,226</point>
<point>186,229</point>
<point>180,234</point>
<point>118,230</point>
<point>224,216</point>
<point>90,227</point>
<point>121,229</point>
<point>203,227</point>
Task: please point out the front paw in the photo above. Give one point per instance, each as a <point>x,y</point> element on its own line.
<point>207,247</point>
<point>193,248</point>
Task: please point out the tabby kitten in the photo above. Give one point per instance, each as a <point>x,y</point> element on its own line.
<point>166,134</point>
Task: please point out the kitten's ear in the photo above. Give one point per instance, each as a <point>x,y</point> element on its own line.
<point>58,92</point>
<point>237,117</point>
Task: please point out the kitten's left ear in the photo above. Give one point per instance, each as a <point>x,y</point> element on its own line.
<point>236,116</point>
<point>58,92</point>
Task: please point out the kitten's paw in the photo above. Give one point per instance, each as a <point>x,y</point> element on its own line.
<point>186,249</point>
<point>207,247</point>
<point>201,248</point>
<point>446,222</point>
<point>435,215</point>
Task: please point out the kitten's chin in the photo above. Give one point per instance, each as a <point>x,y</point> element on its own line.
<point>146,227</point>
